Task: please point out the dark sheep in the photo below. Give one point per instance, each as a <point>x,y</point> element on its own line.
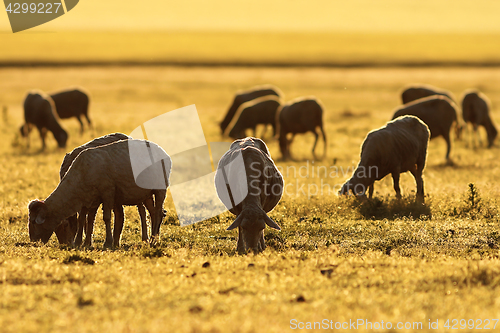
<point>299,116</point>
<point>72,103</point>
<point>249,184</point>
<point>398,147</point>
<point>439,113</point>
<point>413,93</point>
<point>258,111</point>
<point>476,110</point>
<point>245,96</point>
<point>39,110</point>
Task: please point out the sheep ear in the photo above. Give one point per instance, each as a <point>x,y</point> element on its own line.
<point>35,207</point>
<point>271,223</point>
<point>236,222</point>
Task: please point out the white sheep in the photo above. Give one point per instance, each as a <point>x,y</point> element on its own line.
<point>101,175</point>
<point>249,184</point>
<point>66,231</point>
<point>476,110</point>
<point>398,147</point>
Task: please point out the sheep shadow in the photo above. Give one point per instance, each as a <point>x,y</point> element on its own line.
<point>391,208</point>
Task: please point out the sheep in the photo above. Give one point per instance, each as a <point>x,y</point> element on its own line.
<point>439,113</point>
<point>249,195</point>
<point>397,147</point>
<point>476,110</point>
<point>413,93</point>
<point>72,103</point>
<point>261,110</point>
<point>66,231</point>
<point>299,116</point>
<point>39,110</point>
<point>245,96</point>
<point>101,174</point>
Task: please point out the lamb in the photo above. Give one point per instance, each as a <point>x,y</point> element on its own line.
<point>413,93</point>
<point>439,113</point>
<point>72,103</point>
<point>299,116</point>
<point>475,110</point>
<point>101,174</point>
<point>249,195</point>
<point>261,110</point>
<point>66,231</point>
<point>39,110</point>
<point>398,147</point>
<point>245,96</point>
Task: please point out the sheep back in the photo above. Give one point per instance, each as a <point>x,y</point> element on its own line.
<point>261,110</point>
<point>413,93</point>
<point>437,112</point>
<point>71,103</point>
<point>258,177</point>
<point>245,96</point>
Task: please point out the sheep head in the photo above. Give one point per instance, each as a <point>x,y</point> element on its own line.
<point>66,231</point>
<point>355,186</point>
<point>39,226</point>
<point>61,139</point>
<point>251,225</point>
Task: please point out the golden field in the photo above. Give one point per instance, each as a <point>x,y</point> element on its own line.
<point>336,258</point>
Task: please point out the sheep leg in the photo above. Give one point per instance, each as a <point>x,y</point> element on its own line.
<point>106,216</point>
<point>144,225</point>
<point>420,184</point>
<point>448,145</point>
<point>118,227</point>
<point>264,131</point>
<point>478,135</point>
<point>370,191</point>
<point>43,133</point>
<point>89,230</point>
<point>82,217</point>
<point>316,136</point>
<point>81,124</point>
<point>395,179</point>
<point>324,140</point>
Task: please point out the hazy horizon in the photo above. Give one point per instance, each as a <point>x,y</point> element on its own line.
<point>428,16</point>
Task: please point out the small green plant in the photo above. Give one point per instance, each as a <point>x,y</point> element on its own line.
<point>473,199</point>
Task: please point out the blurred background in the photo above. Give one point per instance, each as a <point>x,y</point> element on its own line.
<point>324,32</point>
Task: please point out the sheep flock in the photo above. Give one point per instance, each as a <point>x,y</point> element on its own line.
<point>247,180</point>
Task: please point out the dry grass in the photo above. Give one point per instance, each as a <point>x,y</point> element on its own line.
<point>336,258</point>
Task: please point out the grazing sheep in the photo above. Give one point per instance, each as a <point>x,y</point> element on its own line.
<point>261,110</point>
<point>249,184</point>
<point>439,113</point>
<point>72,103</point>
<point>245,96</point>
<point>398,147</point>
<point>413,93</point>
<point>100,175</point>
<point>39,110</point>
<point>299,116</point>
<point>476,110</point>
<point>66,231</point>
